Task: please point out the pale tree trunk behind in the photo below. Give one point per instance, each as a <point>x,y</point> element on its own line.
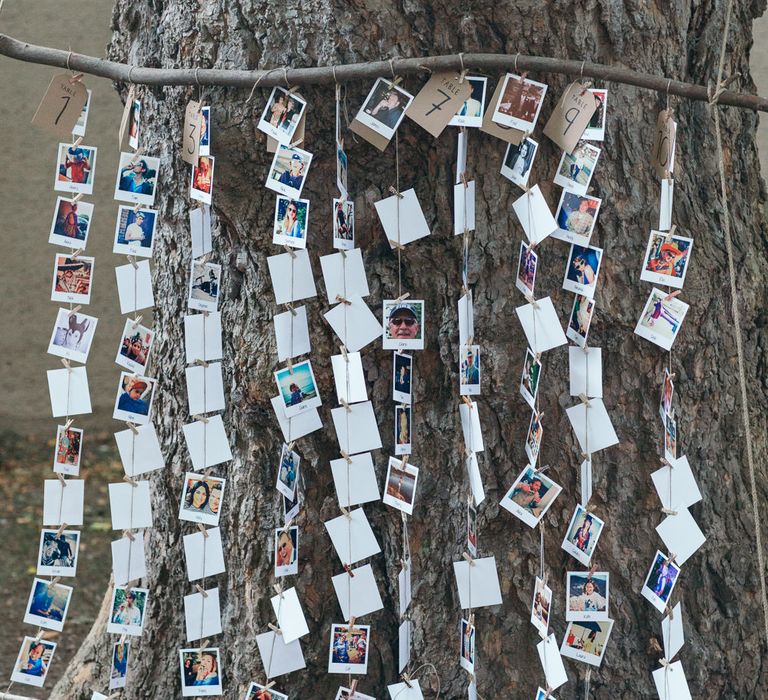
<point>719,586</point>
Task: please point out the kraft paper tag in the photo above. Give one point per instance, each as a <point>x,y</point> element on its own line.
<point>489,126</point>
<point>438,101</point>
<point>571,116</point>
<point>61,105</point>
<point>126,113</point>
<point>373,137</point>
<point>190,147</point>
<point>663,154</point>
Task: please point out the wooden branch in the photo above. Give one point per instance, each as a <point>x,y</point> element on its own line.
<point>121,72</point>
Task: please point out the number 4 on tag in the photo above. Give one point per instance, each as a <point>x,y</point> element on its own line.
<point>190,146</point>
<point>61,105</point>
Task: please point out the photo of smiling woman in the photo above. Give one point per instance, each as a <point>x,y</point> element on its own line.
<point>201,499</point>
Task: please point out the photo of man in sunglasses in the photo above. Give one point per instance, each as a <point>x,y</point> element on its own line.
<point>403,323</point>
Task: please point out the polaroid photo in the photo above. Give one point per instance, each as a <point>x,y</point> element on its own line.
<point>595,130</point>
<point>291,275</point>
<point>129,607</point>
<point>201,499</point>
<point>357,592</point>
<point>134,124</point>
<point>534,215</point>
<point>518,161</point>
<point>137,179</point>
<point>298,388</point>
<point>467,646</point>
<point>296,426</point>
<point>666,259</point>
<point>552,662</point>
<point>204,286</point>
<point>582,313</point>
<point>200,230</point>
<point>519,104</point>
<point>471,111</point>
<point>289,615</point>
<point>586,641</point>
<point>670,439</point>
<point>541,607</point>
<point>75,168</point>
<point>71,223</point>
<point>278,657</point>
<point>288,472</point>
<point>403,326</point>
<point>400,489</point>
<point>384,108</point>
<point>47,605</point>
<point>667,392</point>
<point>583,533</point>
<point>344,275</point>
<point>282,114</point>
<point>531,496</point>
<point>402,373</point>
<point>342,694</point>
<point>402,218</point>
<point>202,337</point>
<point>469,370</point>
<point>575,171</point>
<point>670,682</point>
<point>348,652</point>
<point>288,172</point>
<point>201,182</point>
<point>134,287</point>
<point>256,691</point>
<point>291,223</point>
<point>135,231</point>
<point>355,481</point>
<point>576,217</point>
<point>403,432</point>
<point>463,208</point>
<point>82,121</point>
<point>63,504</point>
<point>587,595</point>
<point>526,269</point>
<point>72,279</point>
<point>140,451</point>
<point>343,224</point>
<point>134,398</point>
<point>204,554</point>
<point>204,149</point>
<point>533,438</point>
<point>585,370</point>
<point>477,583</point>
<point>130,505</point>
<point>119,669</point>
<point>582,270</point>
<point>286,551</point>
<point>57,554</point>
<point>661,318</point>
<point>72,335</point>
<point>665,204</point>
<point>200,672</point>
<point>681,535</point>
<point>202,614</point>
<point>136,343</point>
<point>529,382</point>
<point>352,537</point>
<point>660,581</point>
<point>128,560</point>
<point>471,529</point>
<point>33,661</point>
<point>68,390</point>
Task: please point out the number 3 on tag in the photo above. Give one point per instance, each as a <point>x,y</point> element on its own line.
<point>190,148</point>
<point>61,105</point>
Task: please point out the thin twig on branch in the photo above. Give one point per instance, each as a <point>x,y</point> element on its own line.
<point>121,72</point>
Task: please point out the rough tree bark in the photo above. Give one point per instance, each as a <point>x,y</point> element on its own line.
<point>723,656</point>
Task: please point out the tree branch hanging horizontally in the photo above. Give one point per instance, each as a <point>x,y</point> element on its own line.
<point>121,72</point>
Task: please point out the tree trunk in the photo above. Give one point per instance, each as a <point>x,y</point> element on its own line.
<point>719,586</point>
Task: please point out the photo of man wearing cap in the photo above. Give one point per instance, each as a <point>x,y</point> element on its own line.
<point>403,325</point>
<point>134,399</point>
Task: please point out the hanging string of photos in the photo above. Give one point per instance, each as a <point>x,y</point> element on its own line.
<point>576,124</point>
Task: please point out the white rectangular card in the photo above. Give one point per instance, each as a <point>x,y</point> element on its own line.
<point>292,333</point>
<point>140,451</point>
<point>585,367</point>
<point>355,482</point>
<point>352,537</point>
<point>665,204</point>
<point>477,582</point>
<point>671,683</point>
<point>202,337</point>
<point>298,426</point>
<point>358,595</point>
<point>278,657</point>
<point>470,426</point>
<point>200,230</point>
<point>535,215</point>
<point>466,319</point>
<point>681,535</point>
<point>130,506</point>
<point>68,389</point>
<point>406,211</point>
<point>404,586</point>
<point>63,504</point>
<point>401,691</point>
<point>354,323</point>
<point>592,426</point>
<point>207,443</point>
<point>344,275</point>
<point>291,275</point>
<point>204,554</point>
<point>202,614</point>
<point>356,428</point>
<point>128,562</point>
<point>404,645</point>
<point>475,480</point>
<point>676,485</point>
<point>290,616</point>
<point>205,388</point>
<point>672,632</point>
<point>552,662</point>
<point>463,208</point>
<point>541,325</point>
<point>134,287</point>
<point>349,378</point>
<point>585,482</point>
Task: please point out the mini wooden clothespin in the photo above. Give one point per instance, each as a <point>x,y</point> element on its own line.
<point>469,558</point>
<point>201,363</point>
<point>543,469</point>
<point>403,462</point>
<point>529,298</point>
<point>129,535</point>
<point>346,405</point>
<point>40,634</point>
<point>353,688</point>
<point>466,400</point>
<point>136,322</point>
<point>343,300</point>
<point>403,297</point>
<point>131,481</point>
<point>346,512</point>
<point>65,362</point>
<point>136,155</point>
<point>76,78</point>
<point>132,260</point>
<point>291,444</point>
<point>132,427</point>
<point>406,679</point>
<point>672,295</point>
<point>348,569</point>
<point>343,253</point>
<point>667,666</point>
<point>547,692</point>
<point>136,208</point>
<point>394,191</point>
<point>668,511</point>
<point>287,526</point>
<point>469,340</point>
<point>201,590</point>
<point>61,529</point>
<point>290,251</point>
<point>76,198</point>
<point>584,398</point>
<point>278,588</point>
<point>201,418</point>
<point>586,456</point>
<point>670,559</point>
<point>77,142</point>
<point>670,233</point>
<point>276,630</point>
<point>62,480</point>
<point>291,308</point>
<point>346,457</point>
<point>269,685</point>
<point>546,578</point>
<point>592,570</point>
<point>54,581</point>
<point>666,462</point>
<point>202,529</point>
<point>351,625</point>
<point>289,362</point>
<point>344,353</point>
<point>668,609</point>
<point>68,424</point>
<point>588,674</point>
<point>396,244</point>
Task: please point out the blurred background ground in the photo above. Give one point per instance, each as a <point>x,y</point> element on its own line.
<point>27,431</point>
